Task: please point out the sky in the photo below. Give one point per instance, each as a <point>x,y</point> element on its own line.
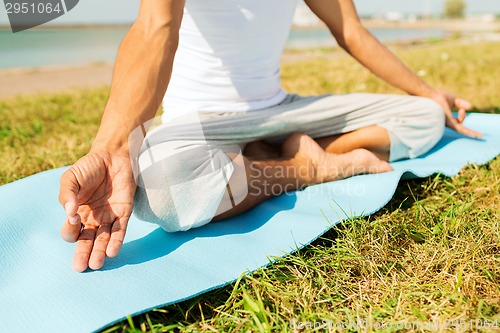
<point>125,11</point>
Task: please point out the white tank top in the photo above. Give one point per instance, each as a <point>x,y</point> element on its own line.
<point>228,56</point>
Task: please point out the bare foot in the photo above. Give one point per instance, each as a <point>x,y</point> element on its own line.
<point>317,166</point>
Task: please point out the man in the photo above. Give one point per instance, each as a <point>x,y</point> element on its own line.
<point>224,95</point>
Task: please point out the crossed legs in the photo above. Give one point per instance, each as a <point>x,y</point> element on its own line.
<point>302,161</point>
<point>201,180</point>
<point>373,138</point>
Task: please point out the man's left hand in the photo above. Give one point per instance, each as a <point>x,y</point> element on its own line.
<point>449,101</point>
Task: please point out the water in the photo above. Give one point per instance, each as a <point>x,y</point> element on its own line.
<point>35,48</point>
<point>323,37</point>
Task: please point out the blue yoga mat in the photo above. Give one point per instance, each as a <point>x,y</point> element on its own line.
<point>39,290</point>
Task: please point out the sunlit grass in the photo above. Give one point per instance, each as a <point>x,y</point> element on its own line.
<point>431,255</point>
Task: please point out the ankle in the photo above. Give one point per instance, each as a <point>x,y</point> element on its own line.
<point>306,172</point>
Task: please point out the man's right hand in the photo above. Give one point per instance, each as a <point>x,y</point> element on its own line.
<point>97,193</point>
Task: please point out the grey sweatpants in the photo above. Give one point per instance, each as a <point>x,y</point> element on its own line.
<point>184,168</point>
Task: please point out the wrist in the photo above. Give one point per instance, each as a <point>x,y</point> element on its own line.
<point>111,147</point>
<point>118,137</point>
<point>434,94</point>
<point>112,139</point>
<point>426,90</point>
<point>119,141</point>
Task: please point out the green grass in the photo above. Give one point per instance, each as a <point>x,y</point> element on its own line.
<point>431,254</point>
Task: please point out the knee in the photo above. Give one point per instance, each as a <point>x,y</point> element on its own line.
<point>429,127</point>
<point>153,200</point>
<point>182,189</point>
<point>155,206</point>
<point>435,113</point>
<point>417,130</point>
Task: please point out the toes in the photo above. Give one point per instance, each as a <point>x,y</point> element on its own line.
<point>383,166</point>
<point>366,162</point>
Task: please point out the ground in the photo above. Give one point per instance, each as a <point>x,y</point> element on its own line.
<point>432,255</point>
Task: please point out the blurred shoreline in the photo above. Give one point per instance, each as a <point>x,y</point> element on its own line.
<point>49,79</point>
<point>463,25</point>
<point>447,24</point>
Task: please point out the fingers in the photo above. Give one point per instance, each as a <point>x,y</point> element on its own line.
<point>70,232</point>
<point>98,254</point>
<point>117,236</point>
<point>468,132</point>
<point>95,243</point>
<point>463,106</point>
<point>461,115</point>
<point>84,248</point>
<point>454,124</point>
<point>68,196</point>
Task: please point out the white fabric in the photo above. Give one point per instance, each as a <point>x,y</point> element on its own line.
<point>228,56</point>
<point>185,169</point>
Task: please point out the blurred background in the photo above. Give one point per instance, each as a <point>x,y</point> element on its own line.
<point>89,36</point>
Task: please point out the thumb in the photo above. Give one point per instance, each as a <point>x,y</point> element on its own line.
<point>461,115</point>
<point>462,106</point>
<point>447,111</point>
<point>68,196</point>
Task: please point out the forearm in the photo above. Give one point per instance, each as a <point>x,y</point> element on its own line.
<point>365,48</point>
<point>341,18</point>
<point>140,78</point>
